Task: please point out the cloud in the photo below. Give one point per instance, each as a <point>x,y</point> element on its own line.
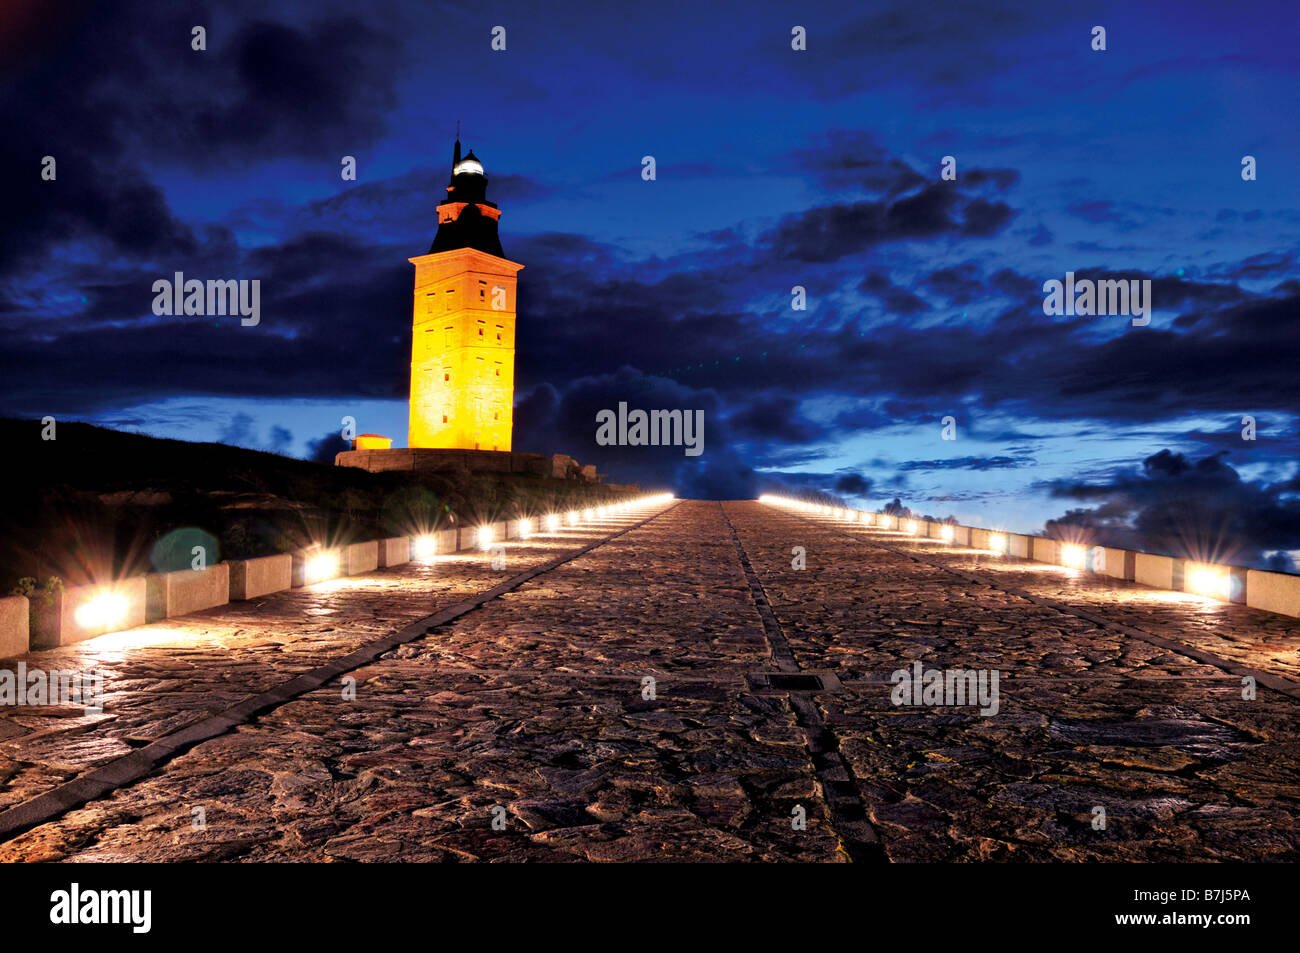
<point>832,232</point>
<point>966,463</point>
<point>895,299</point>
<point>1196,508</point>
<point>853,484</point>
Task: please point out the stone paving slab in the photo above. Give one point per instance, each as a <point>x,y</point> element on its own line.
<point>162,677</point>
<point>1185,768</point>
<point>1263,640</point>
<point>533,704</point>
<point>544,718</point>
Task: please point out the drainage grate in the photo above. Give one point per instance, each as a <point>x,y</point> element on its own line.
<point>795,683</point>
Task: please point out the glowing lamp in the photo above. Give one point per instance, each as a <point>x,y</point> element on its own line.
<point>105,611</point>
<point>998,543</point>
<point>571,518</point>
<point>424,547</point>
<point>1074,556</point>
<point>910,527</point>
<point>552,521</point>
<point>525,529</point>
<point>319,567</point>
<point>947,534</point>
<point>1212,581</point>
<point>484,537</point>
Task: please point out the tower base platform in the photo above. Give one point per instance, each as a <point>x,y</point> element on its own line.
<point>557,466</point>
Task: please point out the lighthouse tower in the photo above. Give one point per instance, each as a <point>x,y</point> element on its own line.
<point>463,341</point>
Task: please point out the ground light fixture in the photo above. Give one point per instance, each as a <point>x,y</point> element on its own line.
<point>424,547</point>
<point>320,566</point>
<point>484,537</point>
<point>552,522</point>
<point>1208,580</point>
<point>106,610</point>
<point>998,543</point>
<point>947,534</point>
<point>1073,556</point>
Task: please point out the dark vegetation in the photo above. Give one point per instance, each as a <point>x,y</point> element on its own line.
<point>95,503</point>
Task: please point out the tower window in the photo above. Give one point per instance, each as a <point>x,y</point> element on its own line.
<point>444,418</point>
<point>446,377</point>
<point>482,290</point>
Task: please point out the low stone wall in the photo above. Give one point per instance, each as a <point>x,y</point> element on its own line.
<point>1268,591</point>
<point>63,622</point>
<point>1273,592</point>
<point>15,626</point>
<point>394,551</point>
<point>250,578</point>
<point>1120,563</point>
<point>1044,550</point>
<point>1158,572</point>
<point>172,594</point>
<point>357,558</point>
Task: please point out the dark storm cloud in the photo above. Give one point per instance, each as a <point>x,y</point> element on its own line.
<point>960,284</point>
<point>853,484</point>
<point>773,418</point>
<point>833,232</point>
<point>121,90</point>
<point>966,463</point>
<point>309,340</point>
<point>895,299</point>
<point>852,159</point>
<point>1201,509</point>
<point>563,420</point>
<point>326,448</point>
<point>1002,179</point>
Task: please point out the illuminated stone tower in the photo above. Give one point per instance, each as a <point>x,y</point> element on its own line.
<point>463,346</point>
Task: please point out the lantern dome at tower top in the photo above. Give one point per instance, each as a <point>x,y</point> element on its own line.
<point>469,165</point>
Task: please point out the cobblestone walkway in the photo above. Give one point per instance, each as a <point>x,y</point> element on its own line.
<point>527,729</point>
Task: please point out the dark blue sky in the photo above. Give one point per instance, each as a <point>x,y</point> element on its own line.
<point>775,168</point>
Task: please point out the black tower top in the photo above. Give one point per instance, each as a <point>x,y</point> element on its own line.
<point>470,226</point>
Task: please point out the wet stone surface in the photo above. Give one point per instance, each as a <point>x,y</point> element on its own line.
<point>525,729</point>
